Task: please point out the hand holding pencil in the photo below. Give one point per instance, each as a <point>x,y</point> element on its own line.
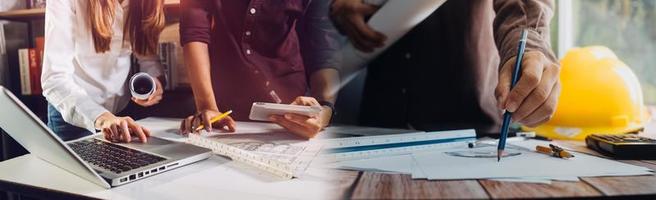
<point>529,84</point>
<point>208,119</point>
<point>513,81</point>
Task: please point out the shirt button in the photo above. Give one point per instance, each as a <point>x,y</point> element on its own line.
<point>256,71</point>
<point>248,33</point>
<point>408,55</point>
<point>248,51</point>
<point>267,83</point>
<point>252,10</point>
<point>403,91</point>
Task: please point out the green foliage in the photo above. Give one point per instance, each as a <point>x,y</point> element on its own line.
<point>628,27</point>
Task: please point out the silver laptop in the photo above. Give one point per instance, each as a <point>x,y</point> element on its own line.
<point>93,158</point>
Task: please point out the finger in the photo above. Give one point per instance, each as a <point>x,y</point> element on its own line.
<point>533,125</point>
<point>299,119</point>
<point>139,101</point>
<point>539,95</point>
<point>366,44</point>
<point>183,125</point>
<point>146,131</point>
<point>115,133</point>
<point>531,74</point>
<point>311,101</point>
<point>304,101</point>
<point>192,124</point>
<point>358,40</point>
<point>297,101</point>
<point>228,124</point>
<point>205,120</point>
<point>368,33</point>
<point>136,129</point>
<point>108,135</point>
<point>154,99</point>
<point>125,131</point>
<point>115,137</point>
<point>231,124</point>
<point>366,9</point>
<point>545,111</point>
<point>338,20</point>
<point>140,133</point>
<point>158,99</point>
<point>291,126</point>
<point>310,124</point>
<point>503,87</point>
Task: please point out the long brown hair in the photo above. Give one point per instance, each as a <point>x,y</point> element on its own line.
<point>144,22</point>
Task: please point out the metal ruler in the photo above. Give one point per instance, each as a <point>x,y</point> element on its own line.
<point>383,145</point>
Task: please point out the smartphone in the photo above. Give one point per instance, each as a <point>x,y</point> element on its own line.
<point>261,111</point>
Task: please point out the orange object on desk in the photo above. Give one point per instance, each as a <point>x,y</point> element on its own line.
<point>554,151</point>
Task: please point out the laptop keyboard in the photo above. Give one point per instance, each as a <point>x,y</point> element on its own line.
<point>112,157</point>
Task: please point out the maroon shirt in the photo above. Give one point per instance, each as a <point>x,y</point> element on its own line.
<point>260,50</point>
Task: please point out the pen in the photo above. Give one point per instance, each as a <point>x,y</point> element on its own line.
<point>215,119</point>
<point>515,77</point>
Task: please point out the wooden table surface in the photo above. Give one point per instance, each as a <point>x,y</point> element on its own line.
<point>370,185</point>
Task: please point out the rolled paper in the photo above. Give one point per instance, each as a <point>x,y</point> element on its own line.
<point>142,86</point>
<point>394,19</point>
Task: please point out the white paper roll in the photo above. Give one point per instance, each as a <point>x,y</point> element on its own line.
<point>142,86</point>
<point>394,19</point>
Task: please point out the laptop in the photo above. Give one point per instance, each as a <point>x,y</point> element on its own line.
<point>93,158</point>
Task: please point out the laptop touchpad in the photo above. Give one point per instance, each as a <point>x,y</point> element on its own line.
<point>153,144</point>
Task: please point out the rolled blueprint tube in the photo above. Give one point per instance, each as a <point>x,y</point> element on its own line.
<point>394,19</point>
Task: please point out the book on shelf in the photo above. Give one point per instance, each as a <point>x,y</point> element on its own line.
<point>170,57</point>
<point>30,65</point>
<point>168,60</point>
<point>24,68</point>
<point>170,54</point>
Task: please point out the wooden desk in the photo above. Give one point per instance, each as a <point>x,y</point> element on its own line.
<point>369,185</point>
<point>217,177</point>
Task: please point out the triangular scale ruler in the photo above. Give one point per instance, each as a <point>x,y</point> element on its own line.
<point>354,148</point>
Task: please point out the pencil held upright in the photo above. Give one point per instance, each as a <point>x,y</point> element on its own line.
<point>504,135</point>
<point>507,116</point>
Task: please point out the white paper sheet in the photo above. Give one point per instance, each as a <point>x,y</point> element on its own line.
<point>399,164</point>
<point>233,180</point>
<point>523,180</point>
<point>417,172</point>
<point>438,165</point>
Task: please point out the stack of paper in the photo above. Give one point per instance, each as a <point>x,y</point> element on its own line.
<point>529,166</point>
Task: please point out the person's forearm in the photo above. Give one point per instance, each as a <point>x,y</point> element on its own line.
<point>513,16</point>
<point>198,65</point>
<point>324,84</point>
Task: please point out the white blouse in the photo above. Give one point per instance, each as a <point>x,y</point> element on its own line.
<point>80,83</point>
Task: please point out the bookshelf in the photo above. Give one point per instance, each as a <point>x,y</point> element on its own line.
<point>26,15</point>
<point>23,14</point>
<point>33,19</point>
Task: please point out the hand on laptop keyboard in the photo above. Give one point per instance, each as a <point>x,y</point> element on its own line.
<point>121,129</point>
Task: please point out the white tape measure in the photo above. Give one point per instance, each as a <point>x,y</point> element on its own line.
<point>375,146</point>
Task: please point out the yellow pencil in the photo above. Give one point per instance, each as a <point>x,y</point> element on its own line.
<point>215,119</point>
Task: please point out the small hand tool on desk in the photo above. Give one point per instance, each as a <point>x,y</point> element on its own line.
<point>554,151</point>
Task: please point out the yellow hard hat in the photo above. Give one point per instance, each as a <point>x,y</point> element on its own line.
<point>600,94</point>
